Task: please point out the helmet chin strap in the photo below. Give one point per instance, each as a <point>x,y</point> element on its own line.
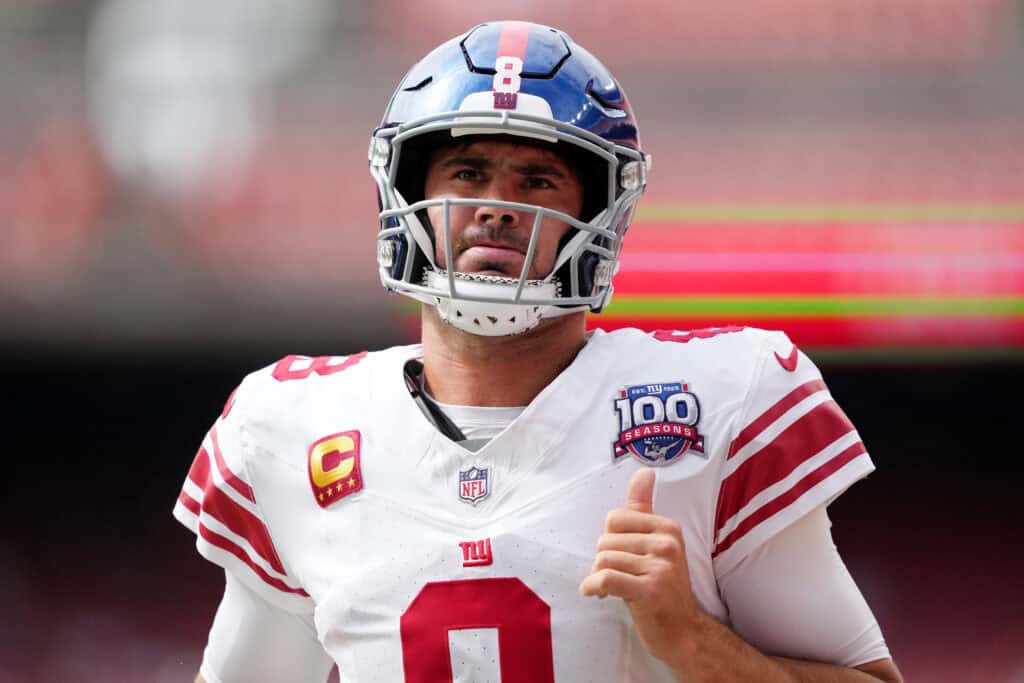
<point>494,318</point>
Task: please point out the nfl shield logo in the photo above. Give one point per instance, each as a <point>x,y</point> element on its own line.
<point>474,484</point>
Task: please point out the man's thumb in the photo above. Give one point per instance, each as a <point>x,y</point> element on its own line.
<point>640,492</point>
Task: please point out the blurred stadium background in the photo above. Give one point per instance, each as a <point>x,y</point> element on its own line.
<point>184,197</point>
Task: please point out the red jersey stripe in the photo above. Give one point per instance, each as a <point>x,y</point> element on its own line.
<point>191,504</point>
<point>221,507</point>
<point>199,473</point>
<point>514,36</point>
<point>230,477</point>
<point>225,544</point>
<point>243,523</point>
<point>780,502</point>
<point>774,462</point>
<point>772,414</point>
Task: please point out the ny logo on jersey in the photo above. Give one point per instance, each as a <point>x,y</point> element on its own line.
<point>658,423</point>
<point>474,484</point>
<point>476,553</point>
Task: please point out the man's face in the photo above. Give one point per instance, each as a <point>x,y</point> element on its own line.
<point>493,240</point>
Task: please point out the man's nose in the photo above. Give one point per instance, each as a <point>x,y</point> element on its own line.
<point>486,213</point>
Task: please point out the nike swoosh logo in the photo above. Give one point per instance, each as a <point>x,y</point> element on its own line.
<point>789,362</point>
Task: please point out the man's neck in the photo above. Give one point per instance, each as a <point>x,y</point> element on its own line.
<point>472,370</point>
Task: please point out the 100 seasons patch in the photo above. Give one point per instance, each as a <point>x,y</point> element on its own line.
<point>658,423</point>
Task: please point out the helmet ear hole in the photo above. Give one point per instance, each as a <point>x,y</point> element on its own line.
<point>588,266</point>
<point>593,175</point>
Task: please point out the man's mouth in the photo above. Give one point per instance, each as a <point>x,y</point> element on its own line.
<point>492,257</point>
<point>491,261</point>
<point>503,245</point>
<point>489,251</point>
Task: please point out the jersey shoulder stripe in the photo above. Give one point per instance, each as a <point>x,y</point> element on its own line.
<point>794,449</point>
<point>814,435</point>
<point>222,518</point>
<point>240,519</point>
<point>778,503</point>
<point>219,504</point>
<point>233,552</point>
<point>218,541</point>
<point>230,477</point>
<point>772,414</point>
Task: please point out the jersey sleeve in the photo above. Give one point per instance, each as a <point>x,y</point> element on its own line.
<point>252,640</point>
<point>793,596</point>
<point>794,450</point>
<point>218,503</point>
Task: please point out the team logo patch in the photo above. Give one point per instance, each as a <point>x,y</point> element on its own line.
<point>474,484</point>
<point>477,553</point>
<point>334,467</point>
<point>658,423</point>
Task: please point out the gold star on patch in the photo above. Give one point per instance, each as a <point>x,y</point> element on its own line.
<point>351,482</point>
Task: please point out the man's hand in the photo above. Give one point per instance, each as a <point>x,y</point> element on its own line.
<point>641,558</point>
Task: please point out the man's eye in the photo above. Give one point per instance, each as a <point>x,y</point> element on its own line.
<point>539,183</point>
<point>467,174</point>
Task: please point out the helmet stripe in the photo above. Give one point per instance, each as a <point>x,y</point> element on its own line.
<point>512,43</point>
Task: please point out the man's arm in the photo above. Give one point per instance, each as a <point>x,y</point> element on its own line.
<point>715,653</point>
<point>642,559</point>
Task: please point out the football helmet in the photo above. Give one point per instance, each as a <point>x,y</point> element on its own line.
<point>507,78</point>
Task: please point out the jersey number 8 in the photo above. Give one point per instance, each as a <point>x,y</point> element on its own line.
<point>522,618</point>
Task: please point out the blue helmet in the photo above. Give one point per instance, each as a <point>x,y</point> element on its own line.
<point>518,79</point>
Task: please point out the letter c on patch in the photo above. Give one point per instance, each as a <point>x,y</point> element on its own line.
<point>333,458</point>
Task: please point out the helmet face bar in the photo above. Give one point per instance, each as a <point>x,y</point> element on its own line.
<point>529,82</point>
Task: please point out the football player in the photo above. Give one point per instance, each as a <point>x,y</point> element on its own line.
<point>515,499</point>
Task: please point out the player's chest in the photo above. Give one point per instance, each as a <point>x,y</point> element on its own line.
<point>362,495</point>
<point>419,553</point>
<point>403,592</point>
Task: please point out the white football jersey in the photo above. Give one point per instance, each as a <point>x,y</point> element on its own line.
<point>327,491</point>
